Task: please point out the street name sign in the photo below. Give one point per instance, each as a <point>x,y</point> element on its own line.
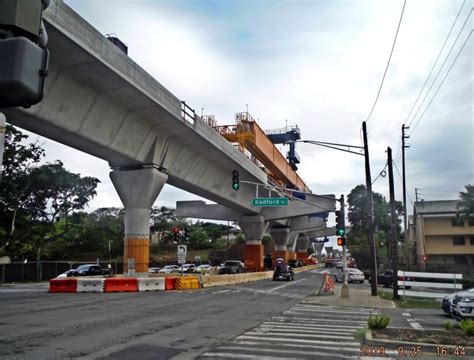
<point>281,201</point>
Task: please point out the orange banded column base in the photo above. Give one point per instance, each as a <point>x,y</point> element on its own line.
<point>303,256</point>
<point>253,257</point>
<point>279,254</point>
<point>291,255</point>
<point>137,247</point>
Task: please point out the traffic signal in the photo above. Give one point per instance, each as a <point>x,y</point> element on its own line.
<point>175,231</point>
<point>235,180</point>
<point>23,53</point>
<point>187,233</point>
<point>340,224</point>
<point>341,241</point>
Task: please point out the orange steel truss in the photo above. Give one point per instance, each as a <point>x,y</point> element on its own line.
<point>248,134</point>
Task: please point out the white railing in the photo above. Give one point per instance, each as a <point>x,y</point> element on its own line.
<point>453,286</point>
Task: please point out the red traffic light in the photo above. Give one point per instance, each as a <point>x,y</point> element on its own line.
<point>341,241</point>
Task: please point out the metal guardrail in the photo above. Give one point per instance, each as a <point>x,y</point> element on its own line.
<point>187,112</point>
<point>453,286</point>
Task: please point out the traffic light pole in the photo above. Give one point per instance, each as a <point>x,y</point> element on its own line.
<point>3,125</point>
<point>393,225</point>
<point>345,285</point>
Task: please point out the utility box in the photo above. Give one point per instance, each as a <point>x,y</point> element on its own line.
<point>22,17</point>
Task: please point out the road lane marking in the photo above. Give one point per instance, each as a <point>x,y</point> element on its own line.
<point>406,314</point>
<point>415,324</point>
<point>290,283</point>
<point>221,291</point>
<point>302,341</point>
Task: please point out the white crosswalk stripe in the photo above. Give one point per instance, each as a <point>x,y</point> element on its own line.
<point>304,331</point>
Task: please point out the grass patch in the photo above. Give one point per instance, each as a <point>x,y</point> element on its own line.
<point>360,334</point>
<point>410,303</point>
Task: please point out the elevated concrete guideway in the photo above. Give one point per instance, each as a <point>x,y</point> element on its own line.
<point>100,101</point>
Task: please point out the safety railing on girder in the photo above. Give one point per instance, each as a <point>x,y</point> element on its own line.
<point>187,112</point>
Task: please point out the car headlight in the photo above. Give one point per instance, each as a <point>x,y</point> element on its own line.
<point>467,300</point>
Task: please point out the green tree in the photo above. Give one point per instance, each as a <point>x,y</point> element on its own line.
<point>358,218</point>
<point>466,205</point>
<point>33,197</point>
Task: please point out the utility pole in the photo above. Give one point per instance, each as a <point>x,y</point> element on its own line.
<point>393,225</point>
<point>405,215</point>
<point>416,194</point>
<point>3,125</point>
<point>370,213</point>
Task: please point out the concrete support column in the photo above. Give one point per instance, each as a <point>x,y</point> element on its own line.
<point>253,228</point>
<point>329,254</point>
<point>138,190</point>
<point>302,247</point>
<point>280,238</point>
<point>319,249</point>
<point>292,245</point>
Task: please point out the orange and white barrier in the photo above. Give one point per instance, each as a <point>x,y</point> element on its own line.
<point>151,284</point>
<point>90,285</point>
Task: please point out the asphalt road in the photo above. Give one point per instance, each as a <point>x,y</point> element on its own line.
<point>160,325</point>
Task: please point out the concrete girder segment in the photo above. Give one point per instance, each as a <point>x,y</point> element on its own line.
<point>138,190</point>
<point>200,210</point>
<point>253,228</point>
<point>305,224</point>
<point>302,247</point>
<point>297,208</point>
<point>280,238</point>
<point>322,232</point>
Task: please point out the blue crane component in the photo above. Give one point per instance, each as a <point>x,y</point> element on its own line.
<point>287,135</point>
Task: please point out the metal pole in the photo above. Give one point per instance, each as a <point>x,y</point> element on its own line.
<point>3,125</point>
<point>345,285</point>
<point>405,215</point>
<point>393,225</point>
<point>370,213</point>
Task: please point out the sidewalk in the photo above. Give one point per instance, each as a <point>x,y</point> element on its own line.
<point>357,297</point>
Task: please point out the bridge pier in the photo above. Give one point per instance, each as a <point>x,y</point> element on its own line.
<point>280,238</point>
<point>138,190</point>
<point>302,247</point>
<point>292,245</point>
<point>253,227</point>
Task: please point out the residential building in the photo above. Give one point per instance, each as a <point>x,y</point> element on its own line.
<point>444,242</point>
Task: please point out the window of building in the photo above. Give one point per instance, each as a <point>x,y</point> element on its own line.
<point>471,240</point>
<point>455,221</point>
<point>471,221</point>
<point>458,240</point>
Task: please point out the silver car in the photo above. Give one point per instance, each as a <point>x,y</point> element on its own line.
<point>447,302</point>
<point>463,305</point>
<point>353,275</point>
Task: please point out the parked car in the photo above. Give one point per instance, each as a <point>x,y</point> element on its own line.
<point>295,263</point>
<point>88,270</point>
<point>67,273</point>
<point>330,263</point>
<point>282,271</point>
<point>168,269</point>
<point>463,305</point>
<point>339,265</point>
<point>205,268</point>
<point>447,302</point>
<point>231,267</point>
<point>385,278</point>
<point>153,270</point>
<point>353,275</point>
<point>187,268</point>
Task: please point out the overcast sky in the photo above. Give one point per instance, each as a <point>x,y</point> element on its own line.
<point>317,64</point>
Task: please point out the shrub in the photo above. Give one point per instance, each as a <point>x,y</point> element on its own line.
<point>448,325</point>
<point>360,333</point>
<point>467,326</point>
<point>378,321</point>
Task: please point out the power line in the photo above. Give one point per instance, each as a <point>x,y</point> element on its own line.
<point>436,61</point>
<point>442,81</point>
<point>388,63</point>
<point>382,173</point>
<point>440,69</point>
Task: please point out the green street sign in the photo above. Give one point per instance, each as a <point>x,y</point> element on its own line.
<point>282,201</point>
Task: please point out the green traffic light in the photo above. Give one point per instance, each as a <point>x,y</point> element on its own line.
<point>236,186</point>
<point>340,232</point>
